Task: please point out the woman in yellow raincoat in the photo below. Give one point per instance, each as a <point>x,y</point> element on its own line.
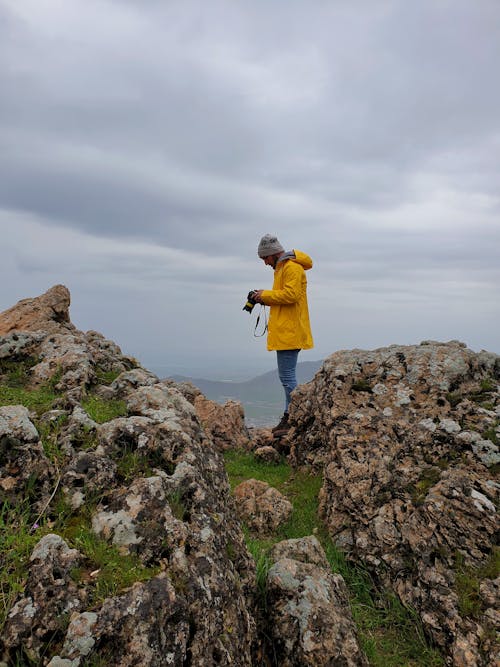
<point>289,329</point>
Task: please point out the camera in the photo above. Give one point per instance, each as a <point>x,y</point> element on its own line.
<point>250,302</point>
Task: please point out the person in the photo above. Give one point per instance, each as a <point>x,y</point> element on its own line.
<point>289,329</point>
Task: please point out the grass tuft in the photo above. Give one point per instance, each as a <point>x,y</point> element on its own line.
<point>468,580</point>
<point>37,400</point>
<point>106,377</point>
<point>101,410</point>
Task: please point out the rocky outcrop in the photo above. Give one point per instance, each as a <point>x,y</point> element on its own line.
<point>408,439</point>
<point>147,490</point>
<point>49,312</point>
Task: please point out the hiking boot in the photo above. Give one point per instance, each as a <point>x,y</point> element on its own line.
<point>279,433</point>
<point>283,424</point>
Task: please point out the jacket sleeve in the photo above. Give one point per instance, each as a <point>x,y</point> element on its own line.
<point>292,287</point>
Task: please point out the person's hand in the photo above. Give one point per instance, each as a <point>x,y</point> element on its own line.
<point>257,296</point>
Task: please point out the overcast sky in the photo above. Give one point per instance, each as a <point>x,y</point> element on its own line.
<point>147,145</point>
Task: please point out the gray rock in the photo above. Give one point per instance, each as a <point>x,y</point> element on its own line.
<point>487,452</point>
<point>304,549</point>
<point>261,507</point>
<point>15,423</point>
<point>309,617</point>
<point>49,595</point>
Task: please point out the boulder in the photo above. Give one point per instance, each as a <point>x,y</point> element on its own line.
<point>225,423</point>
<point>310,619</point>
<point>267,454</point>
<point>304,549</point>
<point>146,625</point>
<point>263,508</point>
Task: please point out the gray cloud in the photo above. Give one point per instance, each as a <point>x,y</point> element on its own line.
<point>146,146</point>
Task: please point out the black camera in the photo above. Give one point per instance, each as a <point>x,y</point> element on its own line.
<point>250,302</point>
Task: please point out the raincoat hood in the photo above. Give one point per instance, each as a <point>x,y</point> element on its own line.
<point>296,256</point>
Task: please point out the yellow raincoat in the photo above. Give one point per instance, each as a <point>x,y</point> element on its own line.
<point>289,327</point>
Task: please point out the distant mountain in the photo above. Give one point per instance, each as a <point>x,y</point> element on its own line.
<point>262,397</point>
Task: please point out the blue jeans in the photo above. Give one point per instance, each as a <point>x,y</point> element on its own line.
<point>287,367</point>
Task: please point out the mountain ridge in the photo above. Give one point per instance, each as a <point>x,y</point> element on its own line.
<point>261,396</point>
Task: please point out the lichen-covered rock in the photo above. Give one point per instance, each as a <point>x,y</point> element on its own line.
<point>261,507</point>
<point>130,380</point>
<point>17,345</point>
<point>22,459</point>
<point>151,485</point>
<point>406,486</point>
<point>309,615</point>
<point>49,597</point>
<point>261,437</point>
<point>304,549</point>
<point>88,474</point>
<point>146,625</point>
<point>140,519</point>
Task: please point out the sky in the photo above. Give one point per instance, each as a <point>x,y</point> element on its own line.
<point>147,145</point>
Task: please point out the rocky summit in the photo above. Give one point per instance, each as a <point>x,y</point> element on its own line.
<point>123,545</point>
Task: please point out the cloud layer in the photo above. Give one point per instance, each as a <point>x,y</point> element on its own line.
<point>145,147</point>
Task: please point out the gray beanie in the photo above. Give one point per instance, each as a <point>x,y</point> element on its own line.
<point>269,245</point>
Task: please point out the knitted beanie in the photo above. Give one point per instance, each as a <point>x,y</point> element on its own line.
<point>269,245</point>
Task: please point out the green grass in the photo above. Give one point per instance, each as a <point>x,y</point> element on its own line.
<point>16,544</point>
<point>49,432</point>
<point>18,536</point>
<point>115,571</point>
<point>390,634</point>
<point>131,465</point>
<point>467,582</point>
<point>488,384</point>
<point>491,434</point>
<point>106,377</point>
<point>16,372</point>
<point>101,410</point>
<point>37,400</point>
<point>428,478</point>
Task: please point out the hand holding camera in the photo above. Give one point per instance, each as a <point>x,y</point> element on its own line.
<point>254,296</point>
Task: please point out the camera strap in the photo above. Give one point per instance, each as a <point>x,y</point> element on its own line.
<point>259,335</point>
